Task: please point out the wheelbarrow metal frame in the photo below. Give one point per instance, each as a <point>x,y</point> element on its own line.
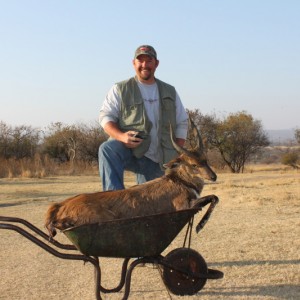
<point>91,251</point>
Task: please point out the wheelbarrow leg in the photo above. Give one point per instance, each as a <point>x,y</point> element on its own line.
<point>122,280</point>
<point>152,260</point>
<point>128,277</point>
<point>97,272</point>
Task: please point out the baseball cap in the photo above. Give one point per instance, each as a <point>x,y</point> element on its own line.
<point>145,49</point>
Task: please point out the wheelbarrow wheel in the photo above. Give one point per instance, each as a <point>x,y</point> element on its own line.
<point>185,271</point>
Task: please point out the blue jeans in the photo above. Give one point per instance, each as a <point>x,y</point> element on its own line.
<point>115,158</point>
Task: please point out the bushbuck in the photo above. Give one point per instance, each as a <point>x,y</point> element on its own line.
<point>179,188</point>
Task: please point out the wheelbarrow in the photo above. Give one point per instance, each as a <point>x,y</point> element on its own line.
<point>141,239</point>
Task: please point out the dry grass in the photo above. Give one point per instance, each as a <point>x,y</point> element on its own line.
<point>43,166</point>
<point>253,236</point>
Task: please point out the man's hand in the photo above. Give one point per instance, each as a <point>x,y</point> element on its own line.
<point>130,139</point>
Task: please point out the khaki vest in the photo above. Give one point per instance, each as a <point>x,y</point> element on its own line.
<point>133,116</point>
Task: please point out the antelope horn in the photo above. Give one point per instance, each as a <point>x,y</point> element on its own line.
<point>179,149</point>
<point>196,134</point>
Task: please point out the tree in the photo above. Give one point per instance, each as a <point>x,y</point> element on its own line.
<point>63,142</point>
<point>236,137</point>
<point>54,143</point>
<point>25,140</point>
<point>73,142</point>
<point>297,135</point>
<point>93,136</point>
<point>206,125</point>
<point>5,138</point>
<point>18,142</point>
<point>290,159</point>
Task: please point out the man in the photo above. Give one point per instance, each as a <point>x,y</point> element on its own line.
<point>137,114</point>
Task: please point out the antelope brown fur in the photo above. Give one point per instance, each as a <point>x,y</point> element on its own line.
<point>178,189</point>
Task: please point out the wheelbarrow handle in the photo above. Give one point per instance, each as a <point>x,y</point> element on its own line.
<point>37,231</point>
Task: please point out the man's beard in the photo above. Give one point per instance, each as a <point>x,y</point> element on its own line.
<point>146,76</point>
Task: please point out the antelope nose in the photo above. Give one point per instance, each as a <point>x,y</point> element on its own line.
<point>214,177</point>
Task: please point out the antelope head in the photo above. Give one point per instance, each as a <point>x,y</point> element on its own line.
<point>193,162</point>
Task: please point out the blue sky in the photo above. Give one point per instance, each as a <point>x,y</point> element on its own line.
<point>59,58</point>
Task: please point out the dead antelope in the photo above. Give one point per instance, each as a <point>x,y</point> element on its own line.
<point>178,189</point>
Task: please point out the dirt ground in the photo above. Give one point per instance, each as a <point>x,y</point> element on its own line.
<point>253,236</point>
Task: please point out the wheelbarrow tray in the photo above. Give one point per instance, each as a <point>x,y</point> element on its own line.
<point>135,237</point>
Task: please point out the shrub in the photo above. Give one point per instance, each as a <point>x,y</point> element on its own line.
<point>290,159</point>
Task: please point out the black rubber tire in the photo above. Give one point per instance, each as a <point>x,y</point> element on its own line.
<point>190,261</point>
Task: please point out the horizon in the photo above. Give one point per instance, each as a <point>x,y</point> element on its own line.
<point>59,59</point>
<point>87,122</point>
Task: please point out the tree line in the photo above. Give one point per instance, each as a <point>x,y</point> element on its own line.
<point>231,141</point>
<point>59,141</point>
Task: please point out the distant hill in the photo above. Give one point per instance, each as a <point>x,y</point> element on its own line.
<point>281,136</point>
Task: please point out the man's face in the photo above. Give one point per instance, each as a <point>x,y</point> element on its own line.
<point>145,67</point>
